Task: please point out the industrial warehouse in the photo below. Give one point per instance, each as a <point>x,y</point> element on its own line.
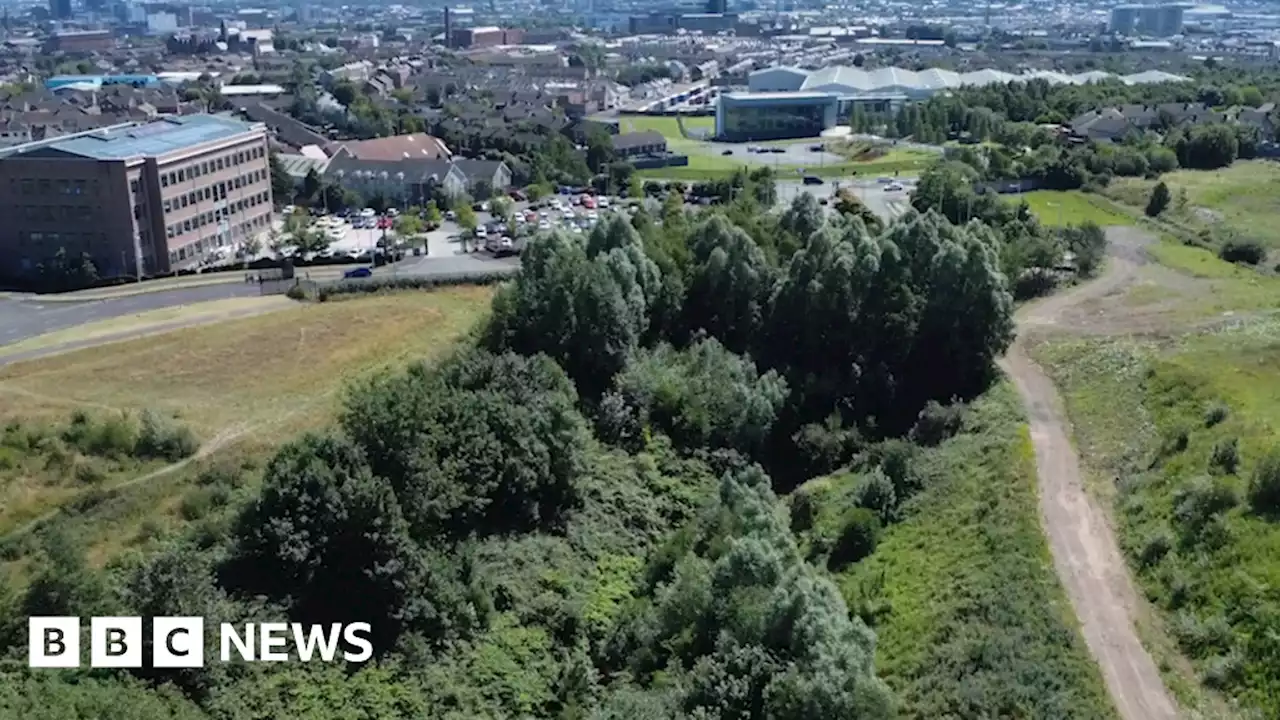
<point>790,102</point>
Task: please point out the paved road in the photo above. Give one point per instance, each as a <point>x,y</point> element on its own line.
<point>26,316</point>
<point>22,318</point>
<point>1084,548</point>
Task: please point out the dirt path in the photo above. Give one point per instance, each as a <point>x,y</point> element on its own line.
<point>1085,552</point>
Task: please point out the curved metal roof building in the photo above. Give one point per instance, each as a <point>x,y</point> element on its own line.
<point>852,81</point>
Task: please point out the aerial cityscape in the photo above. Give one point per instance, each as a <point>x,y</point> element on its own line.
<point>608,360</point>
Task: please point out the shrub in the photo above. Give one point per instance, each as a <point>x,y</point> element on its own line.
<point>1174,441</point>
<point>804,510</point>
<point>859,534</point>
<point>1215,414</point>
<point>112,436</point>
<point>164,439</point>
<point>150,529</point>
<point>937,422</point>
<point>1159,200</point>
<point>1200,638</point>
<point>87,473</point>
<point>1264,486</point>
<point>1154,548</point>
<point>1222,671</point>
<point>411,282</point>
<point>875,492</point>
<point>1225,456</point>
<point>1197,505</point>
<point>1249,252</point>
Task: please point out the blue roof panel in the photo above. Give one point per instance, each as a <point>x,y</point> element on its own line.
<point>155,138</point>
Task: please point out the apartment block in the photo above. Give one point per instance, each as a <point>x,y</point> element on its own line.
<point>151,196</point>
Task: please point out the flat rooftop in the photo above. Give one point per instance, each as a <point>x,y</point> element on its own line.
<point>793,96</point>
<point>160,137</point>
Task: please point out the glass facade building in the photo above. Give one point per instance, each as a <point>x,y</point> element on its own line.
<point>744,117</point>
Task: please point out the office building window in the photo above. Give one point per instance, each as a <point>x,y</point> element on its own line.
<point>133,186</point>
<point>164,181</point>
<point>219,163</point>
<point>182,175</point>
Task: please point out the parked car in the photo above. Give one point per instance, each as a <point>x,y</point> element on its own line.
<point>813,180</point>
<point>727,152</point>
<point>893,187</point>
<point>367,212</point>
<point>360,272</point>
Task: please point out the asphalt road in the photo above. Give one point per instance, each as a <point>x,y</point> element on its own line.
<point>26,316</point>
<point>22,318</point>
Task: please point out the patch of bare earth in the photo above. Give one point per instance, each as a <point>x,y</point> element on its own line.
<point>1085,553</point>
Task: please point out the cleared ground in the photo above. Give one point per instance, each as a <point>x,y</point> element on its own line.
<point>1240,198</point>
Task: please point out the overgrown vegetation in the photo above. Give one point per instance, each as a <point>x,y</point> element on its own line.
<point>959,589</point>
<point>1196,491</point>
<point>572,515</point>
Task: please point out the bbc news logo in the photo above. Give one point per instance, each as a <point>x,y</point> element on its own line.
<point>178,642</point>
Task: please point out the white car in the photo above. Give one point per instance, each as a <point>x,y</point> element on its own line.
<point>367,212</point>
<point>602,202</point>
<point>481,232</point>
<point>544,225</point>
<point>893,187</point>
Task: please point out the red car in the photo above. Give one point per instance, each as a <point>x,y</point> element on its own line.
<point>384,223</point>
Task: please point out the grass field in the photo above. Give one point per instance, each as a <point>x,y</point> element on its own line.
<point>1070,208</point>
<point>1240,198</point>
<point>966,606</point>
<point>256,372</point>
<point>665,124</point>
<point>253,382</point>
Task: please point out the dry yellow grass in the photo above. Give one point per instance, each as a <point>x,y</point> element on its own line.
<point>268,375</point>
<point>150,321</point>
<point>243,385</point>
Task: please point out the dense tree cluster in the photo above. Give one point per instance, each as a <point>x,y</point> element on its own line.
<point>516,559</point>
<point>1029,251</point>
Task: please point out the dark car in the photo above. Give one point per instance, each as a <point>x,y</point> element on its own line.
<point>360,272</point>
<point>727,152</point>
<point>812,180</point>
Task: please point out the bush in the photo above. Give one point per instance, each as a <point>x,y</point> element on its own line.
<point>1160,199</point>
<point>1154,548</point>
<point>1249,252</point>
<point>1264,486</point>
<point>411,282</point>
<point>1215,414</point>
<point>804,510</point>
<point>875,492</point>
<point>859,535</point>
<point>937,422</point>
<point>1225,456</point>
<point>112,436</point>
<point>1198,504</point>
<point>161,438</point>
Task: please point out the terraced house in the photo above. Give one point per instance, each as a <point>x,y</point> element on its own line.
<point>138,198</point>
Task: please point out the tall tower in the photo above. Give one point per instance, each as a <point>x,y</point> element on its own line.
<point>448,27</point>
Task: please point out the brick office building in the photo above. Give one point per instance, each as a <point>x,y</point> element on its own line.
<point>154,196</point>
